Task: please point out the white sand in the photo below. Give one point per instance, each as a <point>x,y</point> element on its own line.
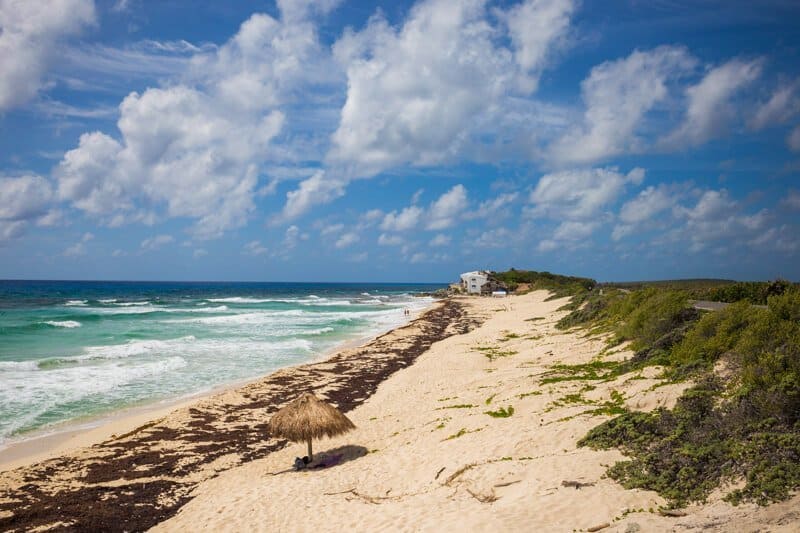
<point>500,474</point>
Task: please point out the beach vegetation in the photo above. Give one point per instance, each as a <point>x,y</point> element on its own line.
<point>503,412</point>
<point>490,398</point>
<point>558,285</point>
<point>738,422</point>
<point>457,406</point>
<point>494,352</point>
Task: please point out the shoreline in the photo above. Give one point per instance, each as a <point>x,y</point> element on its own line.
<point>142,477</point>
<point>65,437</point>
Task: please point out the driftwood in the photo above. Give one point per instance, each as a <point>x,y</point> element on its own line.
<point>576,484</point>
<point>439,472</point>
<point>599,527</point>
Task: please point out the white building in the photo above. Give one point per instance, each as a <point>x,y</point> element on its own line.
<point>473,281</point>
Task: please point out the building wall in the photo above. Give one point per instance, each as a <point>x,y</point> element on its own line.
<point>473,281</point>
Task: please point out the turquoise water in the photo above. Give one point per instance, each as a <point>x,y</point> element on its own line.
<point>72,350</point>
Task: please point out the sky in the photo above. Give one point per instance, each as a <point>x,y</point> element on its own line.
<point>399,141</point>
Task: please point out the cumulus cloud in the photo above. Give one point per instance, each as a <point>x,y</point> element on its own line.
<point>390,240</point>
<point>318,189</point>
<point>23,200</point>
<point>618,94</point>
<point>792,200</point>
<point>418,92</point>
<point>254,248</point>
<point>781,106</point>
<point>347,239</point>
<point>793,140</point>
<point>292,237</point>
<point>443,212</point>
<point>156,242</point>
<point>79,248</point>
<point>579,194</point>
<point>536,27</point>
<point>647,205</point>
<point>709,109</point>
<point>717,217</point>
<point>494,208</point>
<point>440,240</point>
<point>405,220</point>
<point>30,34</point>
<point>331,229</point>
<point>198,150</point>
<point>493,238</point>
<point>440,214</point>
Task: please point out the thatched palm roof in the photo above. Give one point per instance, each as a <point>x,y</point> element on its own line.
<point>307,418</point>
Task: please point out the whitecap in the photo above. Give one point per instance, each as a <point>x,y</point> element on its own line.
<point>63,323</point>
<point>78,303</point>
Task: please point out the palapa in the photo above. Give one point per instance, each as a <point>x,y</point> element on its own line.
<point>308,418</point>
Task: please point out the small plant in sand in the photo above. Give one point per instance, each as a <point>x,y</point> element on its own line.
<point>507,336</point>
<point>594,370</point>
<point>493,352</point>
<point>457,406</point>
<point>503,412</point>
<point>462,432</point>
<point>532,393</point>
<point>490,398</point>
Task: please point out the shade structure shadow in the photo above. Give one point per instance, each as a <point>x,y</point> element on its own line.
<point>330,459</point>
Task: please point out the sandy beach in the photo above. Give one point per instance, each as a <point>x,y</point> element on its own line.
<point>455,430</point>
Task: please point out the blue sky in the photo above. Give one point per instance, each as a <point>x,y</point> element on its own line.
<point>394,141</point>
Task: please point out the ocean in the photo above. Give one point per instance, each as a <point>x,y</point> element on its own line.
<point>74,351</point>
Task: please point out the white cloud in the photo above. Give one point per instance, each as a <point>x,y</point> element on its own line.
<point>547,245</point>
<point>359,257</point>
<point>418,257</point>
<point>316,190</point>
<point>417,93</point>
<point>331,229</point>
<point>709,110</point>
<point>440,240</point>
<point>156,242</point>
<point>390,240</point>
<point>636,213</point>
<point>291,238</point>
<point>444,211</point>
<point>347,239</point>
<point>254,248</point>
<point>782,105</point>
<point>79,248</point>
<point>535,27</point>
<point>579,194</point>
<point>494,208</point>
<point>24,197</point>
<point>31,32</point>
<point>618,94</point>
<point>440,214</point>
<point>574,230</point>
<point>405,220</point>
<point>371,217</point>
<point>198,149</point>
<point>494,238</point>
<point>792,200</point>
<point>715,218</point>
<point>793,140</point>
<point>199,252</point>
